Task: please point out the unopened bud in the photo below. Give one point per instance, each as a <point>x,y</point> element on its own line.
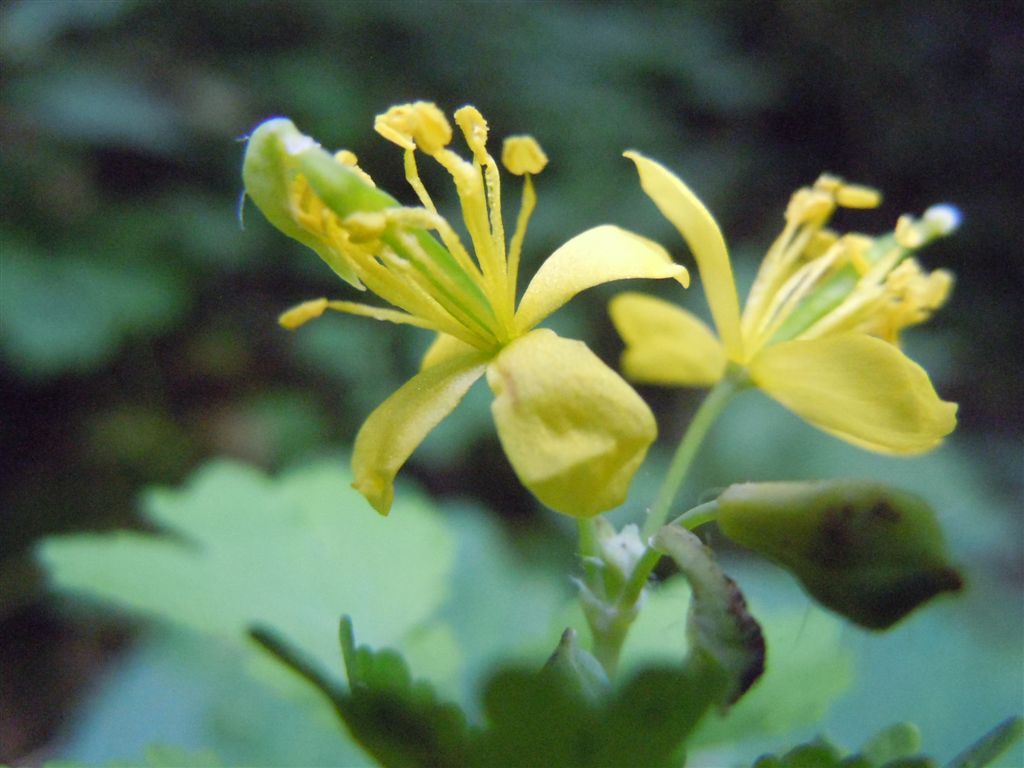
<point>868,551</point>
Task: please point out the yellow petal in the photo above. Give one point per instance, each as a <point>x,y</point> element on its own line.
<point>858,388</point>
<point>400,423</point>
<point>698,227</point>
<point>444,348</point>
<point>574,431</point>
<point>597,256</point>
<point>665,344</point>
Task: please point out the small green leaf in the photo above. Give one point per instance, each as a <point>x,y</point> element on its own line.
<point>820,753</point>
<point>650,720</point>
<point>720,628</point>
<point>816,754</point>
<point>868,551</point>
<point>895,742</point>
<point>536,719</point>
<point>398,720</point>
<point>990,746</point>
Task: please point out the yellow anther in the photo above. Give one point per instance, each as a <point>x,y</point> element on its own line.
<point>302,314</point>
<point>522,155</point>
<point>819,244</point>
<point>420,124</point>
<point>365,226</point>
<point>857,196</point>
<point>828,183</point>
<point>855,248</point>
<point>474,128</point>
<point>909,234</point>
<point>940,286</point>
<point>349,160</point>
<point>809,205</point>
<point>938,221</point>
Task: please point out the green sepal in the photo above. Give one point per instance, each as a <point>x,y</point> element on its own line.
<point>577,668</point>
<point>399,721</point>
<point>720,630</point>
<point>272,155</point>
<point>867,551</point>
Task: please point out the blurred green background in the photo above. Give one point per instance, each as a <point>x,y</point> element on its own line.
<point>138,333</point>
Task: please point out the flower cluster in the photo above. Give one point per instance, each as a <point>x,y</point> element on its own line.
<point>573,430</point>
<point>820,329</point>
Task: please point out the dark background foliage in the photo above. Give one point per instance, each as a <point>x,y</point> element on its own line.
<point>138,334</point>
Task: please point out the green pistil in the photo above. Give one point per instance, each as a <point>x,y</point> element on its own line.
<point>831,292</point>
<point>345,192</point>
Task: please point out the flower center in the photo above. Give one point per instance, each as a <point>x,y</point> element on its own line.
<point>814,282</point>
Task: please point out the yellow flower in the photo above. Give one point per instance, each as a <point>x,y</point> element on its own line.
<point>574,431</point>
<point>820,329</point>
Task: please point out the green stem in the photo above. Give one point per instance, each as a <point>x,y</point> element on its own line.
<point>610,628</point>
<point>694,518</point>
<point>589,554</point>
<point>691,520</point>
<point>715,402</point>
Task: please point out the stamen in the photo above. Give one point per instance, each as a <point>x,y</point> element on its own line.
<point>393,279</point>
<point>857,247</point>
<point>302,313</point>
<point>365,227</point>
<point>418,218</point>
<point>938,221</point>
<point>349,160</point>
<point>420,124</point>
<point>792,292</point>
<point>856,196</point>
<point>474,128</point>
<point>515,247</point>
<point>380,313</point>
<point>522,155</point>
<point>412,175</point>
<point>438,287</point>
<point>473,200</point>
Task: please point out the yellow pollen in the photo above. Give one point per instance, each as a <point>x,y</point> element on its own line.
<point>474,128</point>
<point>856,252</point>
<point>418,125</point>
<point>819,244</point>
<point>349,160</point>
<point>908,234</point>
<point>365,226</point>
<point>302,313</point>
<point>856,196</point>
<point>808,205</point>
<point>828,182</point>
<point>522,155</point>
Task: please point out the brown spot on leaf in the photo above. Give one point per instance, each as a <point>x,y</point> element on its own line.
<point>883,510</point>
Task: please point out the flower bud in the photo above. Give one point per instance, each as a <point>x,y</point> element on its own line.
<point>868,551</point>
